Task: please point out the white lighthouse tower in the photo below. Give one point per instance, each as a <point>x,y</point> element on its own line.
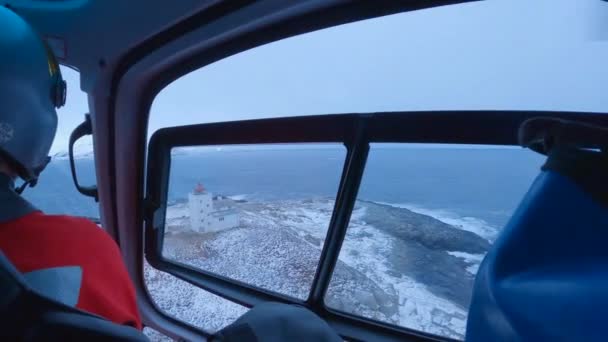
<point>203,217</point>
<point>201,204</point>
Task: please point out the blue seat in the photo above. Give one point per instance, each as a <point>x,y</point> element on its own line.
<point>546,277</point>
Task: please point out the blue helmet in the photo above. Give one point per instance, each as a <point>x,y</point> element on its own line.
<point>31,88</point>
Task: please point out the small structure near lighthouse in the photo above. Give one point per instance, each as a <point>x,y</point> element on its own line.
<point>204,217</point>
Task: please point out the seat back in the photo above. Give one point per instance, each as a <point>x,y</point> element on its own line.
<point>26,315</point>
<point>546,277</point>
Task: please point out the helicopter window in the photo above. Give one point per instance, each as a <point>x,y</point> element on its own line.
<point>509,55</point>
<point>424,218</point>
<point>55,192</point>
<point>265,218</point>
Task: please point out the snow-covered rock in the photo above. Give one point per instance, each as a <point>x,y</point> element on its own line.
<point>395,265</point>
<point>189,303</point>
<point>83,149</point>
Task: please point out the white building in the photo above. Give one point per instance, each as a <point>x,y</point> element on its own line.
<point>204,218</point>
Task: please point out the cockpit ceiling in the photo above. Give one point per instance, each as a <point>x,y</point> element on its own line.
<point>90,30</point>
<point>90,34</point>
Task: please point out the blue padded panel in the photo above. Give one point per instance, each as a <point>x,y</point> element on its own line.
<point>546,277</point>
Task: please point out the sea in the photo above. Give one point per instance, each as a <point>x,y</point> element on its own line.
<point>468,184</point>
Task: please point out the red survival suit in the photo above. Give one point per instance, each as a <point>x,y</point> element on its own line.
<point>66,258</point>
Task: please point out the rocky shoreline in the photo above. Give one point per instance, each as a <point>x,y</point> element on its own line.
<point>395,266</point>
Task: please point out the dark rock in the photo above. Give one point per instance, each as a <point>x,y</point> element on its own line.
<point>407,225</point>
<point>420,250</point>
<point>444,275</point>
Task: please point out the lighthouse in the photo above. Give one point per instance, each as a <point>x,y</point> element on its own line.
<point>204,217</point>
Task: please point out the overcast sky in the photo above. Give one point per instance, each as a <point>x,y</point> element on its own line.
<point>495,54</point>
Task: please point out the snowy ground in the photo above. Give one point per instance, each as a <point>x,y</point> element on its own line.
<point>396,265</point>
<point>189,303</point>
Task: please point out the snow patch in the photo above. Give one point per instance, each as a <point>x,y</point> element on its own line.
<point>241,197</point>
<point>468,257</point>
<point>421,310</point>
<point>473,269</point>
<point>190,303</point>
<point>83,149</point>
<point>473,259</point>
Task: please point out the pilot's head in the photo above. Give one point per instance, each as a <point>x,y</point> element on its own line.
<point>31,87</point>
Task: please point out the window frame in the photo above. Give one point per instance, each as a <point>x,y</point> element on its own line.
<point>356,132</point>
<point>127,88</point>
